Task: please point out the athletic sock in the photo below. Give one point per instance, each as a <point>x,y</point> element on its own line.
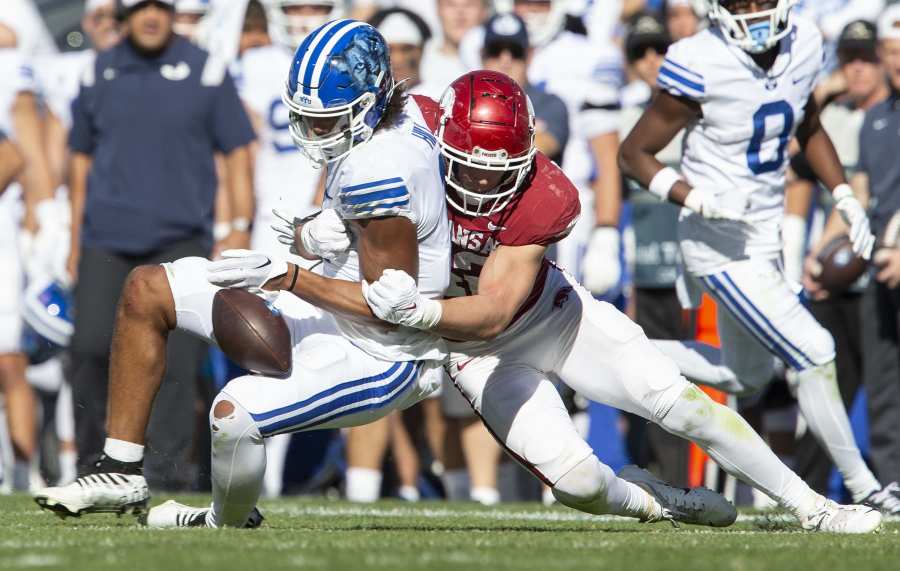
<point>363,485</point>
<point>123,451</point>
<point>485,496</point>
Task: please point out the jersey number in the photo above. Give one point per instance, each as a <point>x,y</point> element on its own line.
<point>774,109</point>
<point>278,122</point>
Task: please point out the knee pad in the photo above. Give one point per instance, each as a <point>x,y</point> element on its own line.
<point>585,484</point>
<point>230,422</point>
<point>819,347</point>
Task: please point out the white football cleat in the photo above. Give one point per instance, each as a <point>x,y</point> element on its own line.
<point>698,506</point>
<point>887,499</point>
<point>831,517</point>
<point>105,492</point>
<point>173,514</point>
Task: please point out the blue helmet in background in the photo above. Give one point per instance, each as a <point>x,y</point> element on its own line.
<point>338,89</point>
<point>49,320</point>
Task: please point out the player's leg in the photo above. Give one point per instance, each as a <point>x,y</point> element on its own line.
<point>366,449</point>
<point>756,295</point>
<point>523,410</point>
<point>611,361</point>
<point>333,384</point>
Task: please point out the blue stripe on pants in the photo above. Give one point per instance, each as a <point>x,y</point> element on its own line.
<point>350,403</point>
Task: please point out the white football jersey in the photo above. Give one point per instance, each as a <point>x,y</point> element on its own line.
<point>16,76</point>
<point>59,77</point>
<point>284,178</point>
<point>738,148</point>
<point>588,77</point>
<point>396,173</point>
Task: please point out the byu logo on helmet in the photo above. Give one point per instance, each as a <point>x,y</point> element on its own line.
<point>753,32</point>
<point>337,89</point>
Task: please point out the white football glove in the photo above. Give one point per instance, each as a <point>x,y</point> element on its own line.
<point>45,252</point>
<point>395,298</point>
<point>246,269</point>
<point>709,205</point>
<point>324,235</point>
<point>601,261</point>
<point>855,216</point>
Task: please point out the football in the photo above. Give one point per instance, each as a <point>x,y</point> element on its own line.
<point>840,266</point>
<point>251,333</point>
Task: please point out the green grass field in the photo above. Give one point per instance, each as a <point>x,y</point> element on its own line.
<point>318,534</point>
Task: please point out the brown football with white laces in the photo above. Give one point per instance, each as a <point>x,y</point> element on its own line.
<point>251,333</point>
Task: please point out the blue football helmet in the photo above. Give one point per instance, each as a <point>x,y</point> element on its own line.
<point>49,320</point>
<point>338,88</point>
<point>753,32</point>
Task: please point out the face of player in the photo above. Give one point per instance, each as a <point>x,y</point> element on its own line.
<point>405,62</point>
<point>739,7</point>
<point>302,20</point>
<point>150,26</point>
<point>459,16</point>
<point>102,27</point>
<point>646,67</point>
<point>862,73</point>
<point>510,60</point>
<point>254,38</point>
<point>186,24</point>
<point>482,181</point>
<point>682,22</point>
<point>890,58</point>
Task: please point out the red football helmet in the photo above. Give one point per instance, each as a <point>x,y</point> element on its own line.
<point>486,135</point>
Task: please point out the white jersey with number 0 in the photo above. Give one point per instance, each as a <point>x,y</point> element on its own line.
<point>738,148</point>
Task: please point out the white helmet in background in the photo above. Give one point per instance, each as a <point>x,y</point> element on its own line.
<point>542,24</point>
<point>288,27</point>
<point>754,32</point>
<point>188,14</point>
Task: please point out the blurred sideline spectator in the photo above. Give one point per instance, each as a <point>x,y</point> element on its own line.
<point>441,62</point>
<point>427,10</point>
<point>856,86</point>
<point>142,189</point>
<point>682,20</point>
<point>406,34</point>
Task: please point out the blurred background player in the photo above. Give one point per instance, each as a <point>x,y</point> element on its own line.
<point>29,233</point>
<point>442,61</point>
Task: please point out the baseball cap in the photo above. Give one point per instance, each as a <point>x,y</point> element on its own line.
<point>889,24</point>
<point>858,38</point>
<point>128,5</point>
<point>646,31</point>
<point>398,28</point>
<point>92,5</point>
<point>506,31</point>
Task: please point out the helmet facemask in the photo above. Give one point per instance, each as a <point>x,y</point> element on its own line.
<point>753,32</point>
<point>326,135</point>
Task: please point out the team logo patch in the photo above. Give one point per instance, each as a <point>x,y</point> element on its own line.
<point>363,60</point>
<point>177,72</point>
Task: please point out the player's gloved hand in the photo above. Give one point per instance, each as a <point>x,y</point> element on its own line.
<point>49,246</point>
<point>246,269</point>
<point>395,298</point>
<point>855,216</point>
<point>601,261</point>
<point>325,235</point>
<point>709,205</point>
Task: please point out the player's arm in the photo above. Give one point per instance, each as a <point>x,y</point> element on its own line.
<point>239,188</point>
<point>37,179</point>
<point>11,163</point>
<point>505,281</point>
<point>826,164</point>
<point>383,243</point>
<point>666,116</point>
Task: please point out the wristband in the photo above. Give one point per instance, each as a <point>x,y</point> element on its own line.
<point>663,182</point>
<point>240,224</point>
<point>432,311</point>
<point>294,279</point>
<point>841,192</point>
<point>221,230</point>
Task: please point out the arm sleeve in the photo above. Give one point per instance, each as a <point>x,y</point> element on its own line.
<point>231,126</point>
<point>373,187</point>
<point>677,76</point>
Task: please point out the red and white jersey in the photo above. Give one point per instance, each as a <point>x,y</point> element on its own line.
<point>543,213</point>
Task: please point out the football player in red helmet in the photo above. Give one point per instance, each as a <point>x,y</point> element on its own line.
<point>517,321</point>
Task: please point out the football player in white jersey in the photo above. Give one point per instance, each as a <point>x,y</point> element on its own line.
<point>384,200</point>
<point>742,89</point>
<point>20,120</point>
